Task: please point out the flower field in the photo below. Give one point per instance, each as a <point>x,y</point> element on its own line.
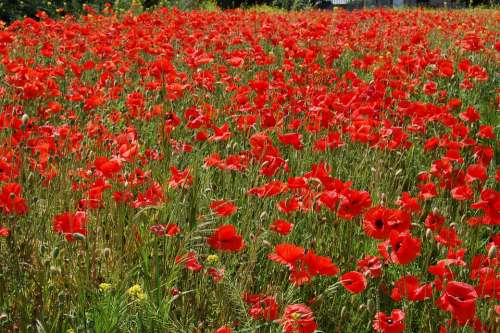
<point>241,171</point>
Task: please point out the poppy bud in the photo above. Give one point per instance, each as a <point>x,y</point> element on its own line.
<point>491,313</point>
<point>370,306</point>
<point>428,234</point>
<point>3,316</point>
<point>492,253</point>
<point>343,312</point>
<point>42,248</point>
<point>175,292</point>
<point>78,236</point>
<point>55,253</point>
<point>453,225</point>
<point>362,308</point>
<point>435,211</point>
<point>106,252</point>
<point>25,118</point>
<point>263,216</point>
<point>55,270</point>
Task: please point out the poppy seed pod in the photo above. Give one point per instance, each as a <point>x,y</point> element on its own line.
<point>370,305</point>
<point>492,253</point>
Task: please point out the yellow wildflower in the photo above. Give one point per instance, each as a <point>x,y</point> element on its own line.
<point>212,259</point>
<point>104,287</point>
<point>136,292</point>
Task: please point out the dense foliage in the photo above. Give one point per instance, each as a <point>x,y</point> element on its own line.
<point>241,171</point>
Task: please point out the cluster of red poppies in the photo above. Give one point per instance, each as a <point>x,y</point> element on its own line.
<point>110,113</point>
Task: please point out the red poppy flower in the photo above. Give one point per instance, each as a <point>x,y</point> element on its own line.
<point>434,221</point>
<point>470,115</point>
<point>320,265</point>
<point>287,254</point>
<point>264,308</point>
<point>282,227</point>
<point>389,324</point>
<point>298,318</point>
<point>476,172</point>
<point>401,248</point>
<point>270,189</point>
<point>223,329</point>
<point>380,221</point>
<point>223,208</point>
<point>107,167</point>
<point>288,206</point>
<point>190,261</point>
<point>408,203</point>
<point>293,139</point>
<point>4,232</point>
<point>375,222</point>
<point>180,179</point>
<point>11,201</point>
<point>409,287</point>
<point>353,204</point>
<point>226,238</point>
<point>490,205</point>
<point>371,264</point>
<point>354,282</point>
<point>216,274</point>
<point>448,237</point>
<point>486,132</point>
<point>462,193</point>
<point>70,224</point>
<point>427,191</point>
<point>165,229</point>
<point>459,298</point>
<point>236,61</point>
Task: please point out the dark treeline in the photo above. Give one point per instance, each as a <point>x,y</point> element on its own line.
<point>14,9</point>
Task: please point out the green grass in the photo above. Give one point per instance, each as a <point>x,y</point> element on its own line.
<point>48,284</point>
